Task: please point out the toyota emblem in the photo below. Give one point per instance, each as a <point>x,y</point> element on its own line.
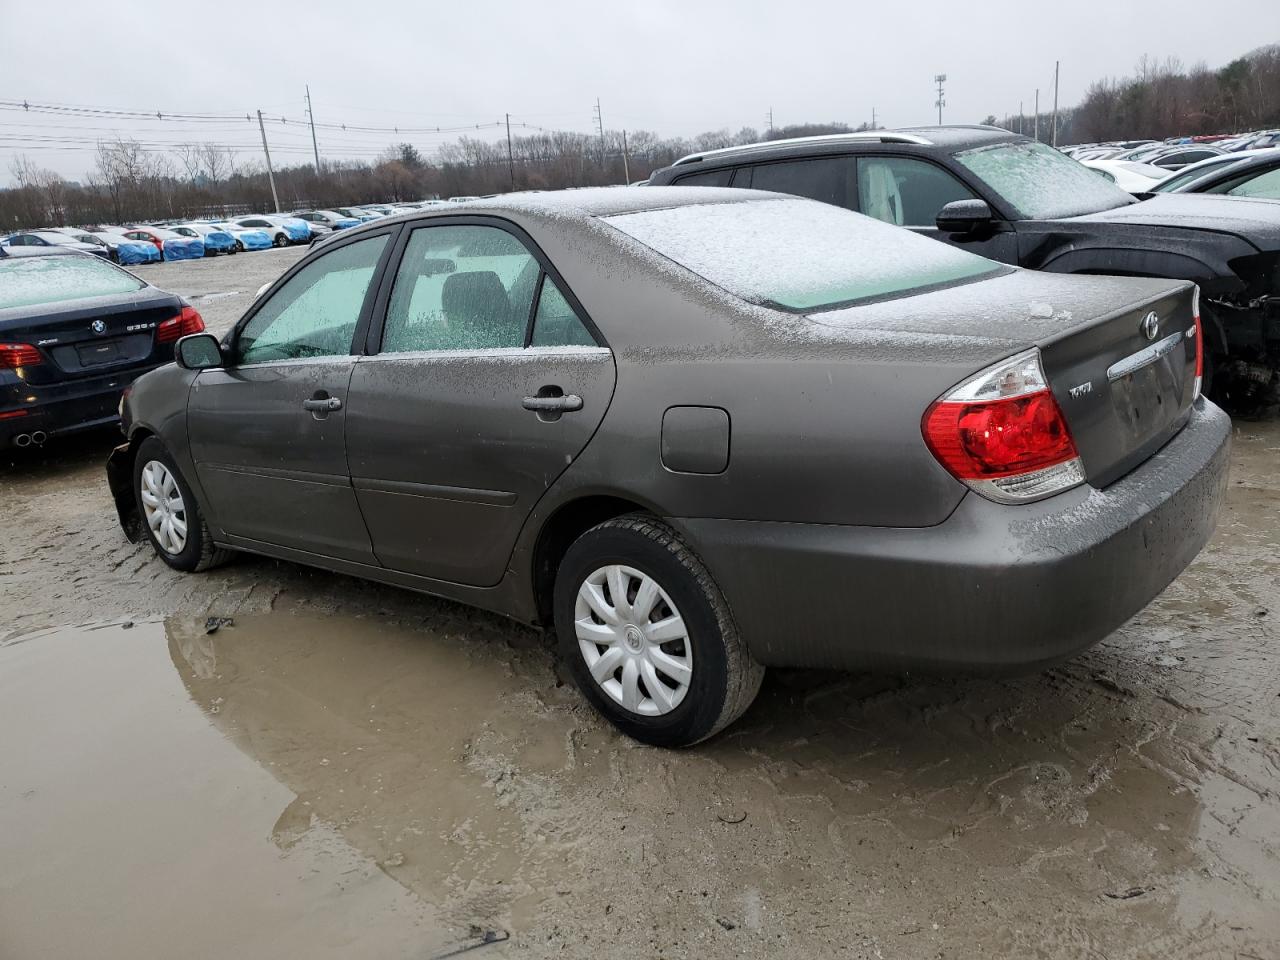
<point>98,326</point>
<point>1150,325</point>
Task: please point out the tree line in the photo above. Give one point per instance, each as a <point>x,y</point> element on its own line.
<point>1164,99</point>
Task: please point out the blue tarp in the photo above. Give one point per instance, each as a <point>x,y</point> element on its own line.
<point>183,248</point>
<point>346,222</point>
<point>298,230</point>
<point>255,239</point>
<point>136,251</point>
<point>219,241</point>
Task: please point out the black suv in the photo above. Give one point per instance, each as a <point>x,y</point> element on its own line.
<point>1018,201</point>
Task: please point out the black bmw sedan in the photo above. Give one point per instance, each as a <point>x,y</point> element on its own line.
<point>75,330</point>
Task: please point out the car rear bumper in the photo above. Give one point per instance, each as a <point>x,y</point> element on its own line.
<point>992,586</point>
<point>58,408</point>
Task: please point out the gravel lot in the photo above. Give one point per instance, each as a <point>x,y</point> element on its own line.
<point>348,764</point>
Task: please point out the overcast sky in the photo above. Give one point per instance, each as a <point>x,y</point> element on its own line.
<point>673,68</point>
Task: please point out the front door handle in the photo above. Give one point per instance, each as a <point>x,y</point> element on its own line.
<point>565,404</point>
<point>322,404</point>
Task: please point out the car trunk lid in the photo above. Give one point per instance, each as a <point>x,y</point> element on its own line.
<point>1125,381</point>
<point>95,337</point>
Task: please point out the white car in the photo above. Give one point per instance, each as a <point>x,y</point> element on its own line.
<point>276,231</point>
<point>1129,175</point>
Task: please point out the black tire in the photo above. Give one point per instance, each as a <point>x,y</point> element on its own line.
<point>239,246</point>
<point>725,678</point>
<point>199,553</point>
<point>280,240</point>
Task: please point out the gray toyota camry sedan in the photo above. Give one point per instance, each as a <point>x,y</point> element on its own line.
<point>700,432</point>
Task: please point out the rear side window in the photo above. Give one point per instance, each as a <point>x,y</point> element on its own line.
<point>712,178</point>
<point>825,179</point>
<point>906,192</point>
<point>461,288</point>
<point>556,324</point>
<point>798,255</point>
<point>315,313</point>
<point>28,281</point>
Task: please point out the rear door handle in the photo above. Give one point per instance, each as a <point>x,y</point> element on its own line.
<point>565,404</point>
<point>323,405</point>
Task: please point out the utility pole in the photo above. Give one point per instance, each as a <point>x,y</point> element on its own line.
<point>600,127</point>
<point>1037,123</point>
<point>267,153</point>
<point>511,164</point>
<point>626,166</point>
<point>873,118</point>
<point>769,118</point>
<point>1019,118</point>
<point>1055,102</point>
<point>940,79</point>
<point>312,119</point>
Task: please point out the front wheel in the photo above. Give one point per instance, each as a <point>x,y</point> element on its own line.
<point>170,515</point>
<point>281,240</point>
<point>648,636</point>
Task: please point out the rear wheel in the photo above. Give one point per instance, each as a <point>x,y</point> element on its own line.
<point>169,512</point>
<point>281,240</point>
<point>648,636</point>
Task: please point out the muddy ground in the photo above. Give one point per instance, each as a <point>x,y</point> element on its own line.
<point>352,770</point>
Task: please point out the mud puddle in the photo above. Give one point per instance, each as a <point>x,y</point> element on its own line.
<point>363,785</point>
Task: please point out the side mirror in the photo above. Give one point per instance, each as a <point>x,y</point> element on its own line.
<point>263,289</point>
<point>964,216</point>
<point>198,351</point>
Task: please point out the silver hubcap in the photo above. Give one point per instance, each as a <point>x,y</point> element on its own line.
<point>634,640</point>
<point>162,505</point>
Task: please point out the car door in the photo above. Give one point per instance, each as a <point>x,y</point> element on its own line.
<point>267,431</point>
<point>488,380</point>
<point>910,192</point>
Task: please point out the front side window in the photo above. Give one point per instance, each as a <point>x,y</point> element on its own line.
<point>906,192</point>
<point>1039,182</point>
<point>825,179</point>
<point>461,288</point>
<point>798,255</point>
<point>315,313</point>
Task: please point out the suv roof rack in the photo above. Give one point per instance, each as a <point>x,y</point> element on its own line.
<point>883,136</point>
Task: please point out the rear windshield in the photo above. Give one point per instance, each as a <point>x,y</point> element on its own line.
<point>25,281</point>
<point>800,255</point>
<point>1040,183</point>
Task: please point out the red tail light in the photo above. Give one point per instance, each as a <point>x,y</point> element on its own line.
<point>185,323</point>
<point>1003,434</point>
<point>14,355</point>
<point>1195,308</point>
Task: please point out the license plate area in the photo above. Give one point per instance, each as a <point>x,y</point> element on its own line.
<point>97,354</point>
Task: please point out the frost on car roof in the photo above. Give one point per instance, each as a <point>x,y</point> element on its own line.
<point>800,255</point>
<point>32,280</point>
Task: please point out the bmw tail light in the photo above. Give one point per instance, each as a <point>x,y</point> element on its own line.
<point>185,323</point>
<point>1195,309</point>
<point>14,355</point>
<point>1003,435</point>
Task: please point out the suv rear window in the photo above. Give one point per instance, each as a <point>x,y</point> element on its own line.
<point>25,281</point>
<point>799,255</point>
